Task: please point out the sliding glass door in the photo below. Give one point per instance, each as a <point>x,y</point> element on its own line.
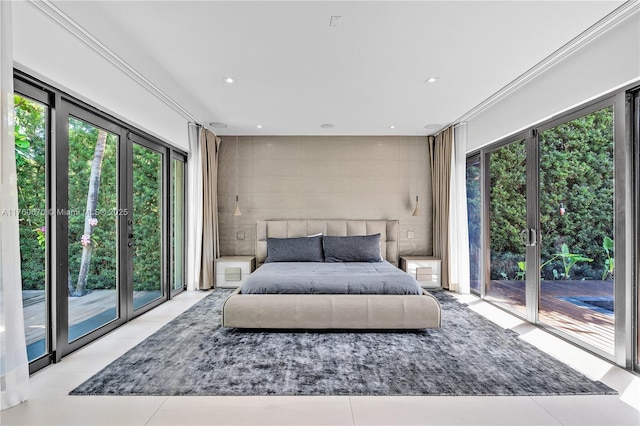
<point>92,223</point>
<point>146,224</point>
<point>474,209</point>
<point>577,250</point>
<point>31,142</point>
<point>102,218</point>
<point>507,213</point>
<point>554,227</point>
<point>178,200</point>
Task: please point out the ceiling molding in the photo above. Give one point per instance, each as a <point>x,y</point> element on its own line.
<point>81,34</point>
<point>609,21</point>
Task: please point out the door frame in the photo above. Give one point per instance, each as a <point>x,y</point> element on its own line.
<point>65,109</point>
<point>530,292</point>
<point>626,221</point>
<point>134,138</point>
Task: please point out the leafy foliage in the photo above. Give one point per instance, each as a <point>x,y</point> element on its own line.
<point>507,209</point>
<point>31,161</point>
<point>575,201</point>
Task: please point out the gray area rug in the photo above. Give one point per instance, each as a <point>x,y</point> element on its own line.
<point>469,355</point>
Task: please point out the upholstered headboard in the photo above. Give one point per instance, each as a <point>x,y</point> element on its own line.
<point>388,230</point>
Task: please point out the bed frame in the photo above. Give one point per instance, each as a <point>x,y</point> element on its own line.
<point>330,311</point>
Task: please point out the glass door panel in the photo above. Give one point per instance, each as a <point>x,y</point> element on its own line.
<point>30,150</point>
<point>177,225</point>
<point>577,268</point>
<point>147,225</point>
<point>93,228</point>
<point>507,219</point>
<point>474,210</point>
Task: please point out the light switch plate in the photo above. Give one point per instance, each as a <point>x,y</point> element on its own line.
<point>411,235</point>
<point>240,235</point>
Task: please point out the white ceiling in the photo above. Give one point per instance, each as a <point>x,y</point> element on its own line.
<point>294,72</point>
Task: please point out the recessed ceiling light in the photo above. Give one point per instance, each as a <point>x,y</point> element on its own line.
<point>218,125</point>
<point>259,126</point>
<point>229,80</point>
<point>432,79</point>
<point>392,126</point>
<point>327,126</point>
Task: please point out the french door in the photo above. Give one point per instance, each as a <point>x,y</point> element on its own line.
<point>554,226</point>
<point>110,213</point>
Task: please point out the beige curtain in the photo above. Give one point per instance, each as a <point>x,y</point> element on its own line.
<point>209,150</point>
<point>440,150</point>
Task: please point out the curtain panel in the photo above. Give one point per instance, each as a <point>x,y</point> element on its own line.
<point>203,244</point>
<point>440,153</point>
<point>194,208</point>
<point>14,364</point>
<point>210,149</point>
<point>458,221</point>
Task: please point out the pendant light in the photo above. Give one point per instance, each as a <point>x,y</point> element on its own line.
<point>417,211</point>
<point>237,211</point>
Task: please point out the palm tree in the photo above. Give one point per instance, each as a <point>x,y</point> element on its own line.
<point>90,219</point>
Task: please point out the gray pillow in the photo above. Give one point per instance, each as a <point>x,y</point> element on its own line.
<point>357,248</point>
<point>304,249</point>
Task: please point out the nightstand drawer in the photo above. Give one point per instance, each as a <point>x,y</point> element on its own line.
<point>425,269</point>
<point>424,273</point>
<point>231,271</point>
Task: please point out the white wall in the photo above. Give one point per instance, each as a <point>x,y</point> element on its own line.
<point>317,177</point>
<point>45,50</point>
<point>605,63</point>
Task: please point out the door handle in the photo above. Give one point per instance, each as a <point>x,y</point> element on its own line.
<point>529,237</point>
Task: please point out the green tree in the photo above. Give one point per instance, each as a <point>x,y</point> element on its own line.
<point>90,213</point>
<point>30,136</point>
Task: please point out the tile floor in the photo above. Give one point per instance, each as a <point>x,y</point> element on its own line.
<point>50,404</point>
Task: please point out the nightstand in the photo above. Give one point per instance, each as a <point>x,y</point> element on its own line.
<point>231,271</point>
<point>425,269</point>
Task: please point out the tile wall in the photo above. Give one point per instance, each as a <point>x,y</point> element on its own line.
<point>316,177</point>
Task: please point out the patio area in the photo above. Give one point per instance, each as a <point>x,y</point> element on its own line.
<point>582,309</point>
<point>86,313</point>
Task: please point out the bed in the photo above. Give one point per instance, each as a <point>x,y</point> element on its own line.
<point>350,294</point>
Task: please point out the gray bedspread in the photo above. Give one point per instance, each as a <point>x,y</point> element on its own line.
<point>330,278</point>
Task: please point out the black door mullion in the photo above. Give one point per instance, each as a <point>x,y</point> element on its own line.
<point>60,226</point>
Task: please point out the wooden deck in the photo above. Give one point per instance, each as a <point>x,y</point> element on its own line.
<point>586,324</point>
<point>80,309</point>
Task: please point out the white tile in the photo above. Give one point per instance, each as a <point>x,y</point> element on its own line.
<point>85,411</point>
<point>600,410</point>
<point>444,410</point>
<point>255,410</point>
<point>626,383</point>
